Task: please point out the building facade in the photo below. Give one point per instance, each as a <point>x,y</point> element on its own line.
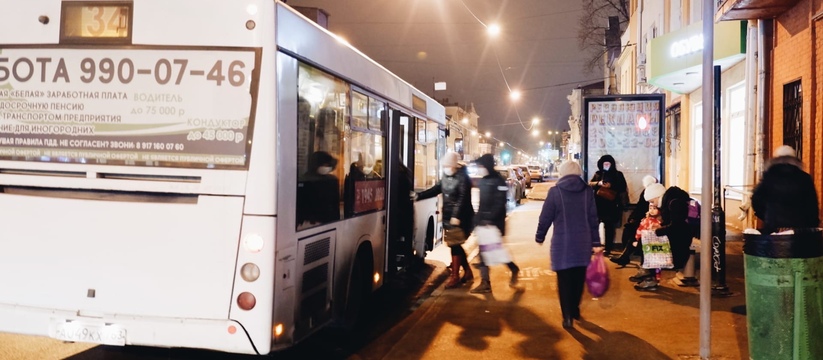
<point>463,137</point>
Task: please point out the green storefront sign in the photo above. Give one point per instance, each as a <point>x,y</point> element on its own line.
<point>676,57</point>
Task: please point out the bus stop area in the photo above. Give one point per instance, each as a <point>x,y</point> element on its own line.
<point>524,322</point>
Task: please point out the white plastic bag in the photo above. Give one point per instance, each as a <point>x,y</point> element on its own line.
<point>491,245</point>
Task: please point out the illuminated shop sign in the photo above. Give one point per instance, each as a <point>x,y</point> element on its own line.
<point>687,46</point>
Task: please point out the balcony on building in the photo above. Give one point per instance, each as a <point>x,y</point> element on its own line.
<point>752,9</point>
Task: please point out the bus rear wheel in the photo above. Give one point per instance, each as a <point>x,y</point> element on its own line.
<point>359,293</point>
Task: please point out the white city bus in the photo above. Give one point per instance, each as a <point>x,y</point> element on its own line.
<point>214,174</point>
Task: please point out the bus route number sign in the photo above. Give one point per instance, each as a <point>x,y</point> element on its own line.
<point>81,20</point>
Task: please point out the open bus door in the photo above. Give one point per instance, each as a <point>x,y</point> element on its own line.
<point>400,175</point>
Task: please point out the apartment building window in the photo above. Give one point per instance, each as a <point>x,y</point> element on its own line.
<point>793,116</point>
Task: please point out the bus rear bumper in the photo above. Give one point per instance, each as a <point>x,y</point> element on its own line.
<point>221,335</point>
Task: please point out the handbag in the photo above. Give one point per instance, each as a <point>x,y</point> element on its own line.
<point>657,251</point>
<point>491,245</point>
<point>597,276</point>
<point>453,235</point>
<point>606,193</point>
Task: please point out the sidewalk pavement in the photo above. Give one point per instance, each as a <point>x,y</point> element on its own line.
<point>525,322</point>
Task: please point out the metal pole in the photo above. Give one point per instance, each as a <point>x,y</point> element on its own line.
<point>718,215</point>
<point>706,196</point>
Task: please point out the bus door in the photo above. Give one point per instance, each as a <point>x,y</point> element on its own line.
<point>400,173</point>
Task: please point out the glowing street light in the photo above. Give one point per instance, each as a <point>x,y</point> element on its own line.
<point>535,120</point>
<point>488,134</point>
<point>535,132</point>
<point>502,144</point>
<point>515,95</point>
<point>465,120</point>
<point>493,30</point>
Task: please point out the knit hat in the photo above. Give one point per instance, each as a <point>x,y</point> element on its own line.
<point>785,150</point>
<point>648,180</point>
<point>654,191</point>
<point>570,167</point>
<point>486,161</point>
<point>450,159</point>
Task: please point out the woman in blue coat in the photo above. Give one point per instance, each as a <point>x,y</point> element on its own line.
<point>571,208</point>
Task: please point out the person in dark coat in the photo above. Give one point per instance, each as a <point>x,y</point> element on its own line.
<point>609,211</point>
<point>492,211</point>
<point>786,197</point>
<point>674,210</point>
<point>318,192</point>
<point>355,175</point>
<point>571,208</point>
<point>456,187</point>
<point>632,223</point>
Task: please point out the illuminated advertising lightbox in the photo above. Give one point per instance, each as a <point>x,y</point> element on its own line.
<point>629,128</point>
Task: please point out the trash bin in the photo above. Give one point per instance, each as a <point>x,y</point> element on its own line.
<point>784,295</point>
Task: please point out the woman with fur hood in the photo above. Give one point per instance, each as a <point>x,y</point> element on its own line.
<point>785,197</point>
<point>609,211</point>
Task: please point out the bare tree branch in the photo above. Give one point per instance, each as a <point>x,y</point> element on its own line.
<point>593,25</point>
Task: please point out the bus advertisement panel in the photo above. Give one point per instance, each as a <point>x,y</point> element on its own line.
<point>148,107</point>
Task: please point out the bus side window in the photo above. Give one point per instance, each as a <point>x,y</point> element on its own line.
<point>364,188</point>
<point>320,115</point>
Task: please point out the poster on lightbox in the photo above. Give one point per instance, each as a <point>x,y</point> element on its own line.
<point>630,129</point>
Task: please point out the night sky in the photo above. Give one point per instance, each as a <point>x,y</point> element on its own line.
<point>428,41</point>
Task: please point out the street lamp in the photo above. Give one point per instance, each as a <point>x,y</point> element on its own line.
<point>493,30</point>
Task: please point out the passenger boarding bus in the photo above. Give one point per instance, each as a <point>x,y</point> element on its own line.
<point>214,174</point>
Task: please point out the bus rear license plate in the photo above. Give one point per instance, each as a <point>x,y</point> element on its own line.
<point>79,331</point>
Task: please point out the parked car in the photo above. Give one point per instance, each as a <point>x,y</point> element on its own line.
<point>535,173</point>
<point>516,185</point>
<point>524,170</point>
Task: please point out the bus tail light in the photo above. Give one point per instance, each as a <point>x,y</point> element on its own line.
<point>250,272</point>
<point>246,301</point>
<point>253,242</point>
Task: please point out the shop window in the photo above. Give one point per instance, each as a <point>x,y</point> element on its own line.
<point>696,172</point>
<point>734,140</point>
<point>793,116</point>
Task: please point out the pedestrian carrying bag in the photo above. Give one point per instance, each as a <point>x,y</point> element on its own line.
<point>597,276</point>
<point>453,235</point>
<point>657,251</point>
<point>491,245</point>
<point>606,193</point>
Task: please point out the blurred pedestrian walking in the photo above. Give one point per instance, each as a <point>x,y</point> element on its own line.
<point>786,197</point>
<point>492,212</point>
